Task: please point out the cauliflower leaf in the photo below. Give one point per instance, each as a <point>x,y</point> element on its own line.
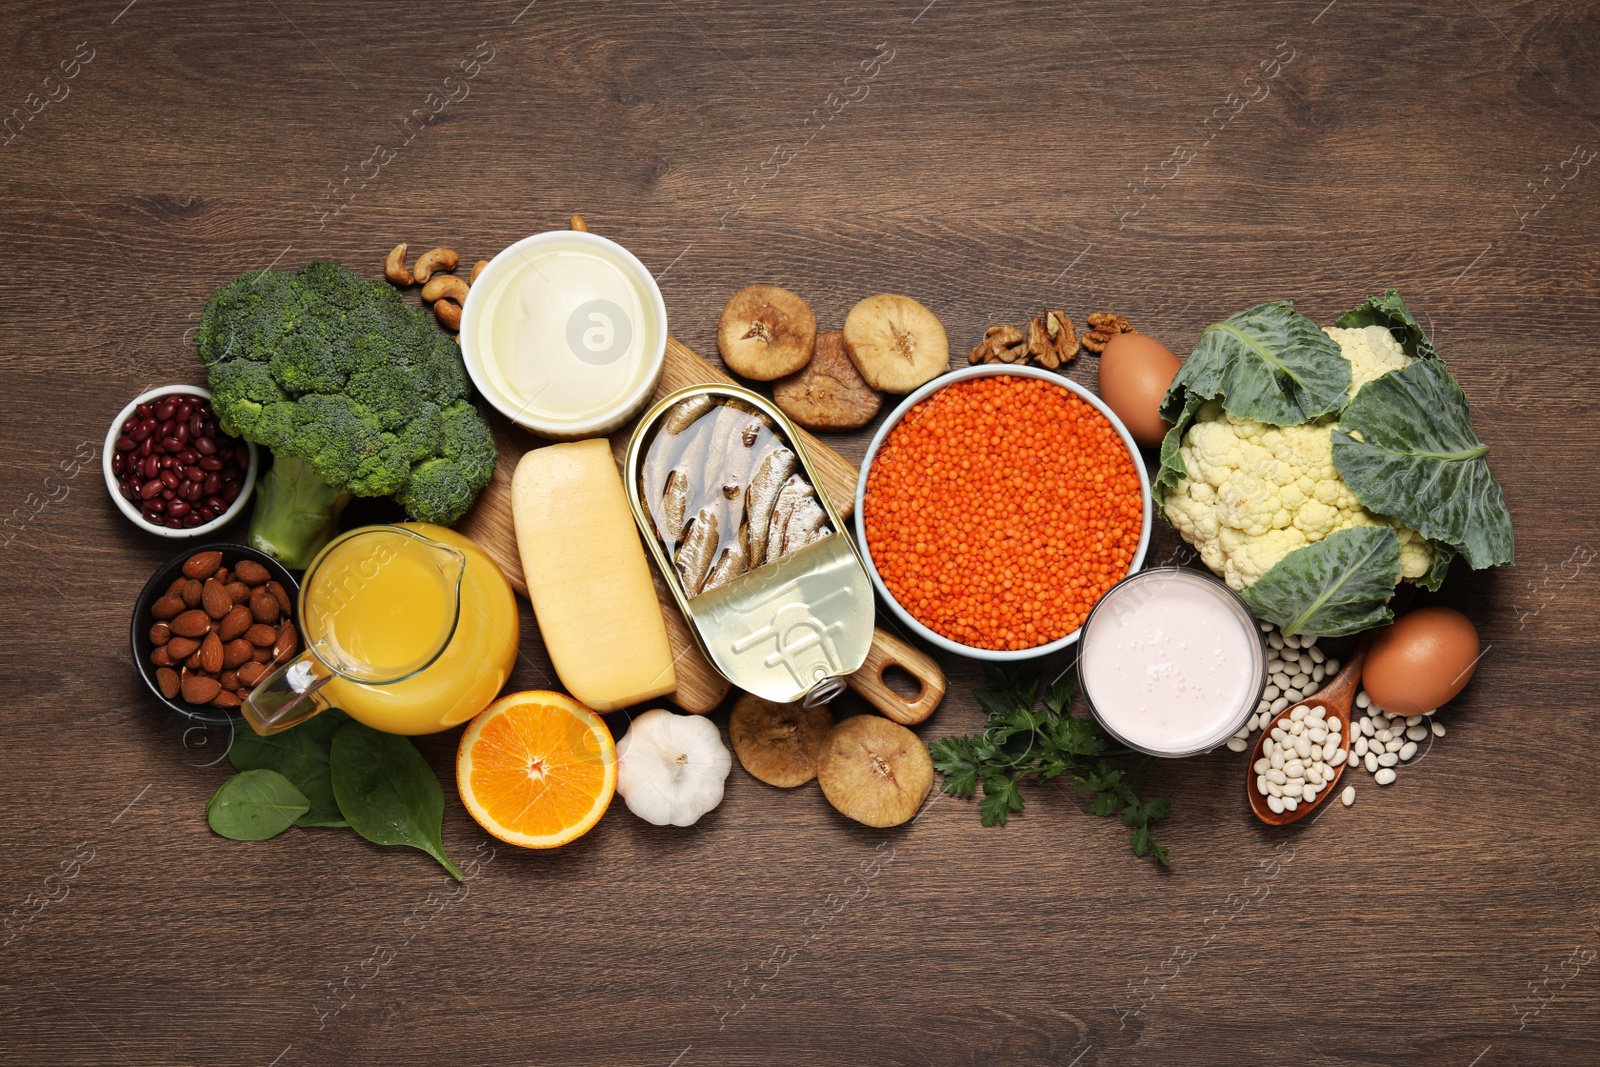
<point>1340,585</point>
<point>1390,312</point>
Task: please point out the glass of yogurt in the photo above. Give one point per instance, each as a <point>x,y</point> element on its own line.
<point>1172,662</point>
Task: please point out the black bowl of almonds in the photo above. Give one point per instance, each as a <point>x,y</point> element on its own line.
<point>210,625</point>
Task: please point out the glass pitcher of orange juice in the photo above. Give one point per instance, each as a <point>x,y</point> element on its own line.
<point>410,628</point>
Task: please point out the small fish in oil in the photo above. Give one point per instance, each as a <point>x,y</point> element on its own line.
<point>794,491</point>
<point>762,496</point>
<point>685,412</point>
<point>807,525</point>
<point>695,556</point>
<point>674,506</point>
<point>729,566</point>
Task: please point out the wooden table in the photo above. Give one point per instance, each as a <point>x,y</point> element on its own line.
<point>987,158</point>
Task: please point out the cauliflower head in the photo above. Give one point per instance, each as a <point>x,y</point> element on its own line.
<point>1256,492</point>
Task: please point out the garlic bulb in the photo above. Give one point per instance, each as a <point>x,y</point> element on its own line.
<point>670,768</point>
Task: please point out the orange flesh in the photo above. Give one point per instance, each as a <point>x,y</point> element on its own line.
<point>537,774</point>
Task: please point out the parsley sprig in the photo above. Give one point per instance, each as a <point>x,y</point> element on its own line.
<point>1020,740</point>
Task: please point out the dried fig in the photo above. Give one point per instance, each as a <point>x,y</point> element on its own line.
<point>766,332</point>
<point>895,342</point>
<point>829,393</point>
<point>778,743</point>
<point>875,771</point>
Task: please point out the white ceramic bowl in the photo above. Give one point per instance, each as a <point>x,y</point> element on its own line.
<point>515,408</point>
<point>127,508</point>
<point>893,420</point>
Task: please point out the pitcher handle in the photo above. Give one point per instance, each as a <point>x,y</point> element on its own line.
<point>288,696</point>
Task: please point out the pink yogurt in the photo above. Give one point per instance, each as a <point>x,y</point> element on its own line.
<point>1171,661</point>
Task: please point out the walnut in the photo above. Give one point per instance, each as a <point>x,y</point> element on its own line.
<point>1052,340</point>
<point>1103,326</point>
<point>1000,344</point>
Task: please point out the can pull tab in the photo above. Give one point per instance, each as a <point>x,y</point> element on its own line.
<point>826,688</point>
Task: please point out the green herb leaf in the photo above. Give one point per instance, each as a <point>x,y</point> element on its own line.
<point>301,755</point>
<point>255,805</point>
<point>1268,363</point>
<point>1390,311</point>
<point>1418,460</point>
<point>388,791</point>
<point>1340,585</point>
<point>1021,741</point>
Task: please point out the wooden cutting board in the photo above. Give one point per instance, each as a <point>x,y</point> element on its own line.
<point>489,523</point>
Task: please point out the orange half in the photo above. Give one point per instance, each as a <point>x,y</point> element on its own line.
<point>537,769</point>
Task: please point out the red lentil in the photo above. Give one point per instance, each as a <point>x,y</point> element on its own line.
<point>1000,509</point>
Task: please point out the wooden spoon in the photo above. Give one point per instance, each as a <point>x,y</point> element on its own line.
<point>1338,696</point>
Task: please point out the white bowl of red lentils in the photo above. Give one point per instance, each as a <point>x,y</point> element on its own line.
<point>996,506</point>
<point>171,469</point>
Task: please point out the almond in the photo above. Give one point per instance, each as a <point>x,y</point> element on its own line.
<point>260,655</point>
<point>236,652</point>
<point>225,699</point>
<point>223,576</point>
<point>202,565</point>
<point>160,634</point>
<point>168,607</point>
<point>283,649</point>
<point>181,648</point>
<point>234,623</point>
<point>160,657</point>
<point>177,585</point>
<point>168,680</point>
<point>192,591</point>
<point>229,679</point>
<point>238,592</point>
<point>214,599</point>
<point>261,635</point>
<point>192,623</point>
<point>250,572</point>
<point>197,688</point>
<point>281,595</point>
<point>251,673</point>
<point>193,662</point>
<point>211,653</point>
<point>264,608</point>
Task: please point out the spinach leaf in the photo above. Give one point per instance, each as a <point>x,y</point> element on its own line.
<point>1268,364</point>
<point>300,754</point>
<point>1418,460</point>
<point>255,805</point>
<point>1390,311</point>
<point>1339,585</point>
<point>388,791</point>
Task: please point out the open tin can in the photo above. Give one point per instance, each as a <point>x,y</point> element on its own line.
<point>747,540</point>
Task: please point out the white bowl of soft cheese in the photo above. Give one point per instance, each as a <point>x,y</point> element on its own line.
<point>565,333</point>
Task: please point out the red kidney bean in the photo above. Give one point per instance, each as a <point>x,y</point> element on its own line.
<point>150,466</point>
<point>181,434</point>
<point>168,494</point>
<point>117,461</point>
<point>184,409</point>
<point>213,482</point>
<point>194,474</point>
<point>126,444</point>
<point>169,479</point>
<point>164,408</point>
<point>178,509</point>
<point>129,423</point>
<point>188,457</point>
<point>171,445</point>
<point>147,446</point>
<point>171,523</point>
<point>210,463</point>
<point>220,503</point>
<point>196,425</point>
<point>143,411</point>
<point>191,520</point>
<point>206,446</point>
<point>210,427</point>
<point>192,491</point>
<point>151,488</point>
<point>156,506</point>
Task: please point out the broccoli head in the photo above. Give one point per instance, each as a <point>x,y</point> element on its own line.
<point>357,389</point>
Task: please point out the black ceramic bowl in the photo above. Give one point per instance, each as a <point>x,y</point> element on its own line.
<point>143,620</point>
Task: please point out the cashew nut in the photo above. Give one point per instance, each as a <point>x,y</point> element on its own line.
<point>394,268</point>
<point>449,314</point>
<point>434,260</point>
<point>577,223</point>
<point>477,269</point>
<point>445,285</point>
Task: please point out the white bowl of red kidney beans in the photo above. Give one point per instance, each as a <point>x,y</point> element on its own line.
<point>171,469</point>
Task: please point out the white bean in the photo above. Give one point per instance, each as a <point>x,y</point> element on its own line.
<point>1362,700</point>
<point>1407,750</point>
<point>1412,720</point>
<point>1275,640</point>
<point>1437,728</point>
<point>1371,761</point>
<point>1352,759</point>
<point>1339,756</point>
<point>1302,745</point>
<point>1297,728</point>
<point>1395,744</point>
<point>1266,627</point>
<point>1244,731</point>
<point>1271,693</point>
<point>1237,744</point>
<point>1300,681</point>
<point>1276,805</point>
<point>1384,777</point>
<point>1348,797</point>
<point>1317,734</point>
<point>1292,641</point>
<point>1334,723</point>
<point>1367,727</point>
<point>1275,665</point>
<point>1261,785</point>
<point>1361,745</point>
<point>1308,641</point>
<point>1388,759</point>
<point>1277,760</point>
<point>1313,775</point>
<point>1332,667</point>
<point>1416,733</point>
<point>1316,655</point>
<point>1273,774</point>
<point>1279,704</point>
<point>1293,786</point>
<point>1297,715</point>
<point>1274,789</point>
<point>1309,793</point>
<point>1290,803</point>
<point>1318,674</point>
<point>1263,765</point>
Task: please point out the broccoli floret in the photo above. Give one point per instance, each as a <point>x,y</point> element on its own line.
<point>355,391</point>
<point>435,491</point>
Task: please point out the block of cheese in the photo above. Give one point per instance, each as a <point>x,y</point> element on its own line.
<point>588,578</point>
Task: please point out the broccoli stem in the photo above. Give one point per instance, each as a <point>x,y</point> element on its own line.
<point>296,512</point>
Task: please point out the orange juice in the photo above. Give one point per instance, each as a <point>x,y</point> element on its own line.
<point>381,602</point>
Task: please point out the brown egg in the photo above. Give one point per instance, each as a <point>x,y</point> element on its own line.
<point>1421,662</point>
<point>1135,371</point>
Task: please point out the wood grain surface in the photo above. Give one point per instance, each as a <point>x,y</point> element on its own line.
<point>1173,163</point>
